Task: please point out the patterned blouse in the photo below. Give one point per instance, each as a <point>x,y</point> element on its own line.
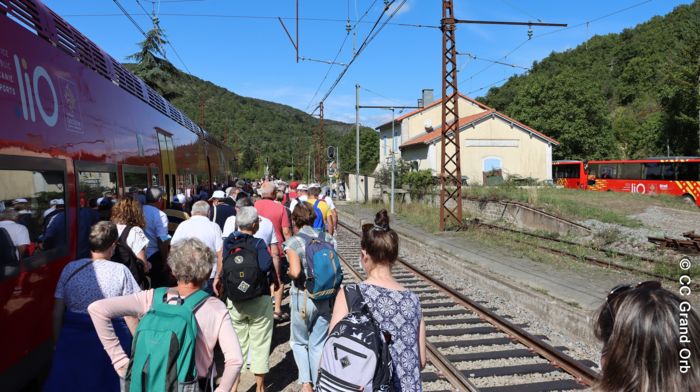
<point>101,279</point>
<point>399,313</point>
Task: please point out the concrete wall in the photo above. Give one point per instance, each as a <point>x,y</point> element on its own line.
<point>369,188</point>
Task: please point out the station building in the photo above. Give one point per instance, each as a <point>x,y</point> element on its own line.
<point>490,142</point>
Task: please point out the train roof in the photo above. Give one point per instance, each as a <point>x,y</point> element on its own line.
<point>46,24</point>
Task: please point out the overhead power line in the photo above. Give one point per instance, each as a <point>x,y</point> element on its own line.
<point>370,36</point>
<point>342,45</point>
<point>472,56</point>
<point>257,17</point>
<point>585,23</point>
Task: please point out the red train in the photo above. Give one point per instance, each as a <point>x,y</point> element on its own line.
<point>74,125</point>
<point>673,176</point>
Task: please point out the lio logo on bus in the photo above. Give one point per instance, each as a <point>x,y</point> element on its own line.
<point>30,95</point>
<point>638,188</point>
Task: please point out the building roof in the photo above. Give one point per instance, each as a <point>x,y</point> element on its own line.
<point>434,135</point>
<point>439,101</point>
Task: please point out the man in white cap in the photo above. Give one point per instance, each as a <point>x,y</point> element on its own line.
<point>302,195</point>
<point>220,211</point>
<point>18,233</point>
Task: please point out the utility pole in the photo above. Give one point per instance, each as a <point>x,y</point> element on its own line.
<point>450,166</point>
<point>320,146</point>
<point>393,161</point>
<point>357,142</point>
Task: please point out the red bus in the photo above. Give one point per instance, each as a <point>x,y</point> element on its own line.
<point>75,125</point>
<point>678,176</point>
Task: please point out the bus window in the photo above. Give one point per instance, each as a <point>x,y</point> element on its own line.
<point>659,171</point>
<point>688,171</point>
<point>32,212</point>
<point>607,171</point>
<point>631,171</point>
<point>135,177</point>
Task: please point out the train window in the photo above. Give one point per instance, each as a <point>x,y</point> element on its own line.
<point>32,213</point>
<point>631,171</point>
<point>688,171</point>
<point>607,171</point>
<point>97,190</point>
<point>155,177</point>
<point>134,177</point>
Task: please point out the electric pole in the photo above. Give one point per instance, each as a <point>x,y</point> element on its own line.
<point>450,166</point>
<point>320,146</point>
<point>357,142</point>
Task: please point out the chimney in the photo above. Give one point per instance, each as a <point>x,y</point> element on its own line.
<point>420,102</point>
<point>427,97</point>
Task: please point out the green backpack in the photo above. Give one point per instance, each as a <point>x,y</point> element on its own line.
<point>163,351</point>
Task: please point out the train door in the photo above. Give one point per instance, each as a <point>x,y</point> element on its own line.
<point>167,156</point>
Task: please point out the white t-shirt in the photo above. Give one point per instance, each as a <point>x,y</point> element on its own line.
<point>136,240</point>
<point>203,229</point>
<point>266,231</point>
<point>18,233</point>
<point>294,202</point>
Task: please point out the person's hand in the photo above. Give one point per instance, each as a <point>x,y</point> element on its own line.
<point>215,285</point>
<point>122,371</point>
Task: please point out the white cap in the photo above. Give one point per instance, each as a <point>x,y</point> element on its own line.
<point>302,187</point>
<point>53,202</point>
<point>20,201</point>
<point>60,202</point>
<point>218,195</point>
<point>315,185</point>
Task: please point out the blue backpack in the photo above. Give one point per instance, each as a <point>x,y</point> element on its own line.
<point>319,223</point>
<point>322,269</point>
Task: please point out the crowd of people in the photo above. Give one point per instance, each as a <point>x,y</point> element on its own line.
<point>229,263</point>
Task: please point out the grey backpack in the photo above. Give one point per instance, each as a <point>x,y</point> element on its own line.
<point>356,354</point>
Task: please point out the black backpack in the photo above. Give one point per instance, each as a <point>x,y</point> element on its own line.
<point>356,354</point>
<point>242,277</point>
<point>124,255</point>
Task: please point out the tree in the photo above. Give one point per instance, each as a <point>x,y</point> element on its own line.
<point>151,46</point>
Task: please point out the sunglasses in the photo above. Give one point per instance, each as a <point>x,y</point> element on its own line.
<point>623,288</point>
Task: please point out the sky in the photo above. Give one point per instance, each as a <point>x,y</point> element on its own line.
<point>241,45</point>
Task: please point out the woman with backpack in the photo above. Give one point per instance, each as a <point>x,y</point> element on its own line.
<point>128,216</point>
<point>77,347</point>
<point>191,262</point>
<point>309,318</point>
<point>395,308</point>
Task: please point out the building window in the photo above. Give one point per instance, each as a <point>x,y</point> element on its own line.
<point>492,163</point>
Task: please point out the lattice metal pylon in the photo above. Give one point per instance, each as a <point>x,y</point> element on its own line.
<point>320,147</point>
<point>450,169</point>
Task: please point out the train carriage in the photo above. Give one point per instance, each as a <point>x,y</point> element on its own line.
<point>76,126</point>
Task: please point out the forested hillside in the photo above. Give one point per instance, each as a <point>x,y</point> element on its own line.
<point>259,130</point>
<point>627,95</point>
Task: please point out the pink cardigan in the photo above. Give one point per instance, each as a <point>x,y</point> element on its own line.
<point>213,322</point>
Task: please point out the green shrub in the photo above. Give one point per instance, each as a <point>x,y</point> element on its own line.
<point>418,181</point>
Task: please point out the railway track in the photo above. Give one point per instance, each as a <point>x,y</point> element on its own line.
<point>606,258</point>
<point>470,347</point>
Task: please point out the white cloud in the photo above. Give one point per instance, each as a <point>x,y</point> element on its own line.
<point>406,7</point>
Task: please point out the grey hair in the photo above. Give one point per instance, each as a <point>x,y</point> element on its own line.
<point>191,261</point>
<point>314,191</point>
<point>244,202</point>
<point>200,208</point>
<point>247,217</point>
